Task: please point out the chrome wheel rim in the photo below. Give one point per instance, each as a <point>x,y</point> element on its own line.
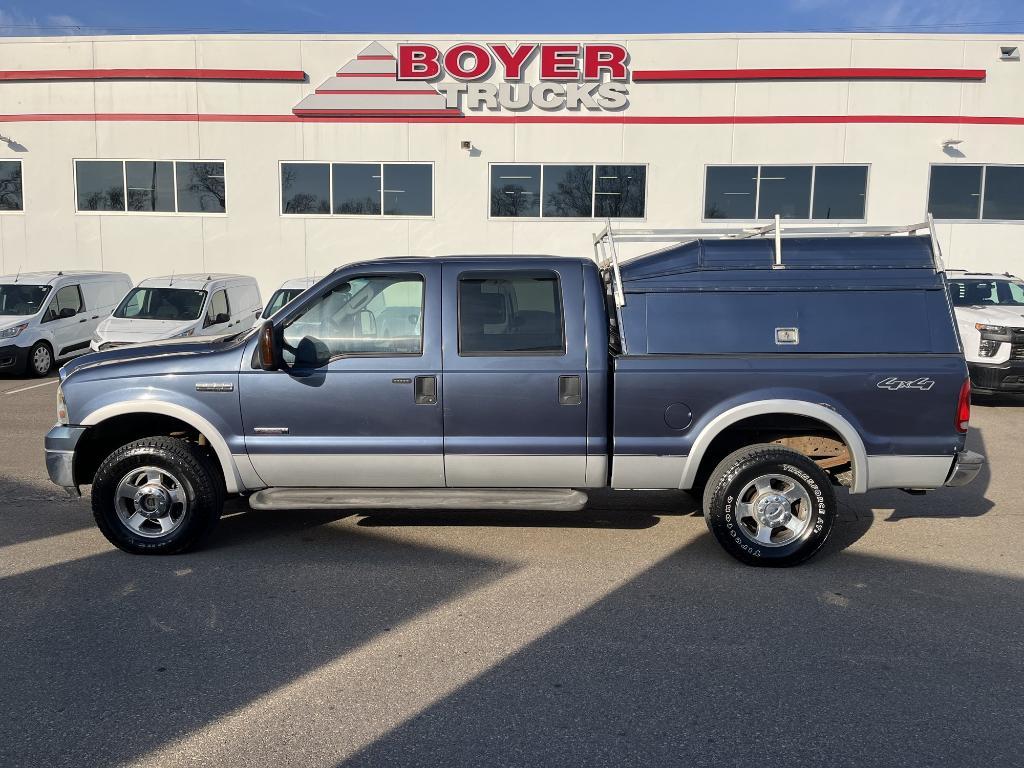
<point>151,502</point>
<point>41,360</point>
<point>774,510</point>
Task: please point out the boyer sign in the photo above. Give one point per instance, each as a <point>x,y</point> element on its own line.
<point>588,76</point>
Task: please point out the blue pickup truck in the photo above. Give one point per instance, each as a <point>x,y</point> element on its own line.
<point>757,374</point>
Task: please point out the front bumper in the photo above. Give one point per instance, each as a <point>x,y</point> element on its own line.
<point>1007,377</point>
<point>13,358</point>
<point>966,467</point>
<point>60,445</point>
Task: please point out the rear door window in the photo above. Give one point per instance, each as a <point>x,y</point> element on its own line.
<point>511,313</point>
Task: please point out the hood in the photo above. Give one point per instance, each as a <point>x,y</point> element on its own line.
<point>1010,316</point>
<point>128,330</point>
<point>172,355</point>
<point>6,321</point>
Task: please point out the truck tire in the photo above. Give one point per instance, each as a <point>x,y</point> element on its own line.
<point>157,496</point>
<point>40,360</point>
<point>769,506</point>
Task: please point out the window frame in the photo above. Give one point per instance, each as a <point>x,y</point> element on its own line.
<point>330,191</point>
<point>508,273</point>
<point>299,311</point>
<point>124,182</point>
<point>21,210</point>
<point>593,191</point>
<point>981,193</point>
<point>53,298</point>
<point>757,192</point>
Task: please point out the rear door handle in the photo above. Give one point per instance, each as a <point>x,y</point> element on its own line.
<point>84,320</point>
<point>426,390</point>
<point>570,390</point>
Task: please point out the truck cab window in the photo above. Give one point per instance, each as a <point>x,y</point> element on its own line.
<point>67,298</point>
<point>510,314</point>
<point>379,315</point>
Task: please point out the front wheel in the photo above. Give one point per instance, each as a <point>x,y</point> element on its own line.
<point>157,496</point>
<point>40,359</point>
<point>769,506</point>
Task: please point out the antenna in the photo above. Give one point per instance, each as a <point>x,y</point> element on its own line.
<point>19,274</point>
<point>172,277</point>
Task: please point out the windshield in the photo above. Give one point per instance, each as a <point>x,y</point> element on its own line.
<point>281,297</point>
<point>986,293</point>
<point>22,299</point>
<point>161,304</point>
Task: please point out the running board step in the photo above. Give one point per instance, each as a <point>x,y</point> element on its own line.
<point>543,499</point>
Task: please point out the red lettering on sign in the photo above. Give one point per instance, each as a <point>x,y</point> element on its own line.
<point>456,56</point>
<point>418,62</point>
<point>604,57</point>
<point>513,61</point>
<point>559,62</point>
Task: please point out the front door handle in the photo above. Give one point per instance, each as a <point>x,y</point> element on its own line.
<point>84,320</point>
<point>426,390</point>
<point>570,390</point>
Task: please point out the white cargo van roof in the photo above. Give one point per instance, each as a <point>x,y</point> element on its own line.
<point>47,278</point>
<point>195,281</point>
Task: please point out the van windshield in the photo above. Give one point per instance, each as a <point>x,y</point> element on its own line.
<point>990,293</point>
<point>281,297</point>
<point>22,299</point>
<point>161,304</point>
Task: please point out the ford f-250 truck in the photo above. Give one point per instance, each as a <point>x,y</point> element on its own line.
<point>759,375</point>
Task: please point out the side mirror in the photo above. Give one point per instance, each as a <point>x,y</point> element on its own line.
<point>268,348</point>
<point>66,313</point>
<point>223,317</point>
<point>312,353</point>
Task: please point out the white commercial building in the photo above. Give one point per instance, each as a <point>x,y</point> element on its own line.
<point>284,156</point>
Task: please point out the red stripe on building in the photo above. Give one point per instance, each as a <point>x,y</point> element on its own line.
<point>835,73</point>
<point>151,74</point>
<point>350,92</point>
<point>428,115</point>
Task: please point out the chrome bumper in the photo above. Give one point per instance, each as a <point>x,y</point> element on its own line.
<point>60,456</point>
<point>965,468</point>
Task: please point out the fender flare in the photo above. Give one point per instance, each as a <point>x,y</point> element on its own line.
<point>850,436</point>
<point>232,480</point>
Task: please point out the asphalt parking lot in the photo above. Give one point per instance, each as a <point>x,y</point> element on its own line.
<point>618,636</point>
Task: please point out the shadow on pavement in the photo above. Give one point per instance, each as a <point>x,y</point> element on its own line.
<point>108,657</point>
<point>850,660</point>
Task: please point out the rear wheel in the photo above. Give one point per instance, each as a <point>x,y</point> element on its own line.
<point>769,506</point>
<point>40,359</point>
<point>158,495</point>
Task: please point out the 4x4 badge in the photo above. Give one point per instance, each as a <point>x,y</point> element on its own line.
<point>896,384</point>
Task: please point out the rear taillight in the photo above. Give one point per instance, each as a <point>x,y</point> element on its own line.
<point>963,408</point>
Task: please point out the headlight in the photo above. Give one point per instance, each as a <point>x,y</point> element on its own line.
<point>62,406</point>
<point>988,347</point>
<point>14,330</point>
<point>999,330</point>
<point>184,334</point>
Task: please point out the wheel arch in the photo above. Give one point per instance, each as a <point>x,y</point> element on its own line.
<point>203,426</point>
<point>781,407</point>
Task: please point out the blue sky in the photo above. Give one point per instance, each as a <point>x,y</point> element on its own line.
<point>520,16</point>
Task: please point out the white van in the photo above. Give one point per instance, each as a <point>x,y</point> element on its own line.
<point>287,293</point>
<point>48,316</point>
<point>178,306</point>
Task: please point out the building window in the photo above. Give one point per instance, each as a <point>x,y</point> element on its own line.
<point>791,191</point>
<point>977,192</point>
<point>10,186</point>
<point>357,189</point>
<point>562,191</point>
<point>150,186</point>
<point>518,313</point>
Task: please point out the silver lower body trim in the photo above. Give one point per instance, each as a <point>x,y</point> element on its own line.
<point>350,470</point>
<point>908,471</point>
<point>647,472</point>
<point>542,499</point>
<point>507,471</point>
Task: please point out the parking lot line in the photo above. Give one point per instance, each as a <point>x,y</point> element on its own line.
<point>34,386</point>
